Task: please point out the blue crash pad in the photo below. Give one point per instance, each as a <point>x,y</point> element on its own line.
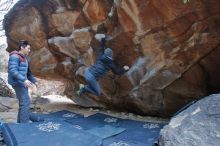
<point>136,133</point>
<point>60,115</point>
<point>92,130</point>
<point>118,142</point>
<point>96,120</point>
<point>47,133</point>
<point>143,132</point>
<point>103,132</point>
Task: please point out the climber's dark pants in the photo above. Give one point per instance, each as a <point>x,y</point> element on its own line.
<point>92,86</point>
<point>24,104</point>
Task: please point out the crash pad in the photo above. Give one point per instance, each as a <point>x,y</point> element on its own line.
<point>47,133</point>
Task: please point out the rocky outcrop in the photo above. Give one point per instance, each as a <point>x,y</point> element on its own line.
<point>171,47</point>
<point>198,125</point>
<point>5,89</point>
<point>3,58</point>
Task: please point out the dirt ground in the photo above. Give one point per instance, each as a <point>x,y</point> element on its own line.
<point>52,103</point>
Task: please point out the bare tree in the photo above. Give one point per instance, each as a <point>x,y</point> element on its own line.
<point>5,5</point>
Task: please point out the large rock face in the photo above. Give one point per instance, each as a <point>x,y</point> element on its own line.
<point>198,125</point>
<point>171,47</point>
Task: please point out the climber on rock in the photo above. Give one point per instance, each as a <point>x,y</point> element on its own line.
<point>103,64</point>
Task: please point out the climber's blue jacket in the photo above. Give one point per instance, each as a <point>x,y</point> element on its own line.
<point>19,69</point>
<point>104,64</point>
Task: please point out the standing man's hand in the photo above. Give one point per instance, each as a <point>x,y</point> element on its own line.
<point>27,83</point>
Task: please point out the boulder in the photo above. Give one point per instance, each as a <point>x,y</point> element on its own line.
<point>172,48</point>
<point>198,125</point>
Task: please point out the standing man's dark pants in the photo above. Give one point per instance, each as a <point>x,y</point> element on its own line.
<point>24,104</point>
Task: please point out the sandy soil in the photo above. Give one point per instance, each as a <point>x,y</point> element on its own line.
<point>52,103</point>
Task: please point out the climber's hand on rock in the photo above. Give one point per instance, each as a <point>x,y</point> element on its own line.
<point>126,67</point>
<point>100,37</point>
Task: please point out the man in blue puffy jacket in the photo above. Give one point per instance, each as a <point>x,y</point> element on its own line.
<point>103,64</point>
<point>21,78</point>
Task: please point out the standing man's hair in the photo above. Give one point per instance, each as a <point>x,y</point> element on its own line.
<point>23,44</point>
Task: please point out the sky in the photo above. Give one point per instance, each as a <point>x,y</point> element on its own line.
<point>2,13</point>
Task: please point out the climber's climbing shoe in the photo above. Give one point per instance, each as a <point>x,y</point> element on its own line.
<point>81,89</point>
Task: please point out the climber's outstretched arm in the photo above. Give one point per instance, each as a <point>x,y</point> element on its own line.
<point>117,70</point>
<point>101,49</point>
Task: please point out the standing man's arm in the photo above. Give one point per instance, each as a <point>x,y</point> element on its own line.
<point>30,76</point>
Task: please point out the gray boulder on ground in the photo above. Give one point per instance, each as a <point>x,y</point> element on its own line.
<point>198,125</point>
